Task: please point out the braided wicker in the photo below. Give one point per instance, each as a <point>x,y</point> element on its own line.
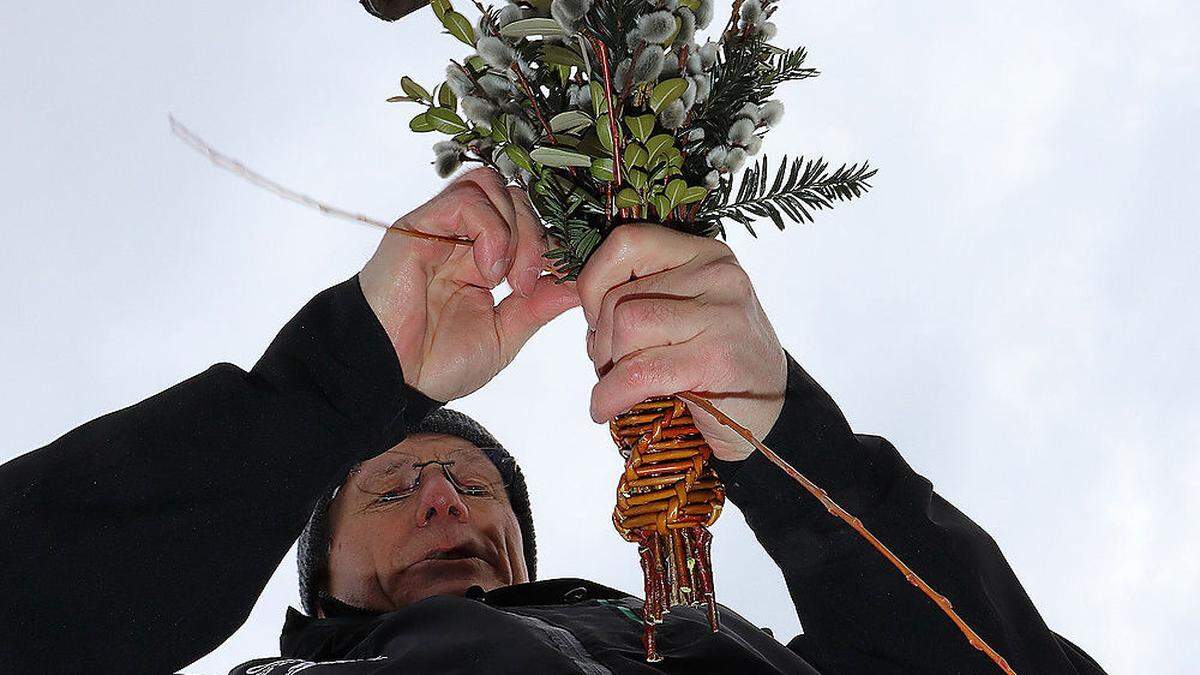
<point>667,497</point>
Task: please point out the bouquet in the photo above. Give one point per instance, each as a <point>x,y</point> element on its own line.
<point>613,111</point>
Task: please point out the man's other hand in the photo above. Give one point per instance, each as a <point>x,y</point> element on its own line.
<point>670,312</point>
<point>434,299</point>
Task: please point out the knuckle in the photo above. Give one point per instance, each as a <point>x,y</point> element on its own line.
<point>480,173</point>
<point>626,237</point>
<point>727,274</point>
<point>466,194</point>
<point>641,371</point>
<point>719,248</point>
<point>633,316</point>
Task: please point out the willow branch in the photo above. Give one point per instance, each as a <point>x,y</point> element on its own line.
<point>533,102</point>
<point>237,168</point>
<point>832,506</point>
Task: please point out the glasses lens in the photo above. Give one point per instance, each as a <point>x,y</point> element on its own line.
<point>473,471</point>
<point>473,467</point>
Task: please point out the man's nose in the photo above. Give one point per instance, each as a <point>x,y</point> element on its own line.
<point>437,498</point>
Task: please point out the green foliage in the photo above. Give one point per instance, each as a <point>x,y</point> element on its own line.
<point>641,126</point>
<point>559,157</point>
<point>797,191</point>
<point>533,27</point>
<point>460,27</point>
<point>414,91</point>
<point>421,123</point>
<point>570,120</point>
<point>445,120</point>
<point>666,93</point>
<point>568,223</point>
<point>546,122</point>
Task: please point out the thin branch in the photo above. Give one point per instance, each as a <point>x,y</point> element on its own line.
<point>833,508</point>
<point>533,101</point>
<point>237,168</point>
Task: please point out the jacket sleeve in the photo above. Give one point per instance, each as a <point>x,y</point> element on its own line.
<point>859,613</point>
<point>139,541</point>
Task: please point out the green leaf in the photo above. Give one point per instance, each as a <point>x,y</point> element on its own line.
<point>559,157</point>
<point>500,128</point>
<point>661,204</point>
<point>641,126</point>
<point>694,194</point>
<point>446,97</point>
<point>602,169</point>
<point>571,120</point>
<point>592,146</point>
<point>675,190</point>
<point>567,140</point>
<point>599,103</point>
<point>587,243</point>
<point>414,90</point>
<point>399,99</point>
<point>518,156</point>
<point>421,123</point>
<point>533,27</point>
<point>666,92</point>
<point>446,121</point>
<point>637,179</point>
<point>604,132</point>
<point>460,27</point>
<point>659,144</point>
<point>561,56</point>
<point>476,63</point>
<point>440,7</point>
<point>627,197</point>
<point>634,155</point>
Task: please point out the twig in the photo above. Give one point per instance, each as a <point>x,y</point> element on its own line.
<point>614,130</point>
<point>533,101</point>
<point>239,169</point>
<point>832,506</point>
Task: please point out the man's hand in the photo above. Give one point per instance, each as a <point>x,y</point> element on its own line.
<point>670,312</point>
<point>434,299</point>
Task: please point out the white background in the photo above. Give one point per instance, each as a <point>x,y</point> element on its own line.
<point>1014,306</point>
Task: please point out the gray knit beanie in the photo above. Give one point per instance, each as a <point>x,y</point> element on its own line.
<point>312,555</point>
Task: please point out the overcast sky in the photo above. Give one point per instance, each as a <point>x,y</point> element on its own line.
<point>1014,306</point>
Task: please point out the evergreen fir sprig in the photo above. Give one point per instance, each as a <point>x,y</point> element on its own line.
<point>799,189</point>
<point>787,65</point>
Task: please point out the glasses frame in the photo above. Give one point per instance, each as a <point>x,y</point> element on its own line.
<point>498,457</point>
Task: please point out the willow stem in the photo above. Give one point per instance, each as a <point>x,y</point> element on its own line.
<point>237,168</point>
<point>832,506</point>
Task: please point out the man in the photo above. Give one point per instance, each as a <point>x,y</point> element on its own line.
<point>140,541</point>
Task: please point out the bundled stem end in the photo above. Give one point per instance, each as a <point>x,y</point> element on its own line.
<point>667,498</point>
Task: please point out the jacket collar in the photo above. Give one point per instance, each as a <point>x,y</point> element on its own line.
<point>344,625</point>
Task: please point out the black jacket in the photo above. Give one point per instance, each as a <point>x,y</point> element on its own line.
<point>141,540</point>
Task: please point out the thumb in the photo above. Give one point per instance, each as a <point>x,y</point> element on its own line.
<point>518,318</point>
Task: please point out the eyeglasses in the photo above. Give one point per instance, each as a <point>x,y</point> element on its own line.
<point>472,472</point>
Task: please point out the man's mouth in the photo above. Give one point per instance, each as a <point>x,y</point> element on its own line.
<point>460,552</point>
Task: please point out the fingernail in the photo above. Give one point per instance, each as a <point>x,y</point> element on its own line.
<point>500,267</point>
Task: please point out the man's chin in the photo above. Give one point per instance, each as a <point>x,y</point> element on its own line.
<point>444,577</point>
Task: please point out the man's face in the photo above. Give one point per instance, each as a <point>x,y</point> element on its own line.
<point>391,547</point>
